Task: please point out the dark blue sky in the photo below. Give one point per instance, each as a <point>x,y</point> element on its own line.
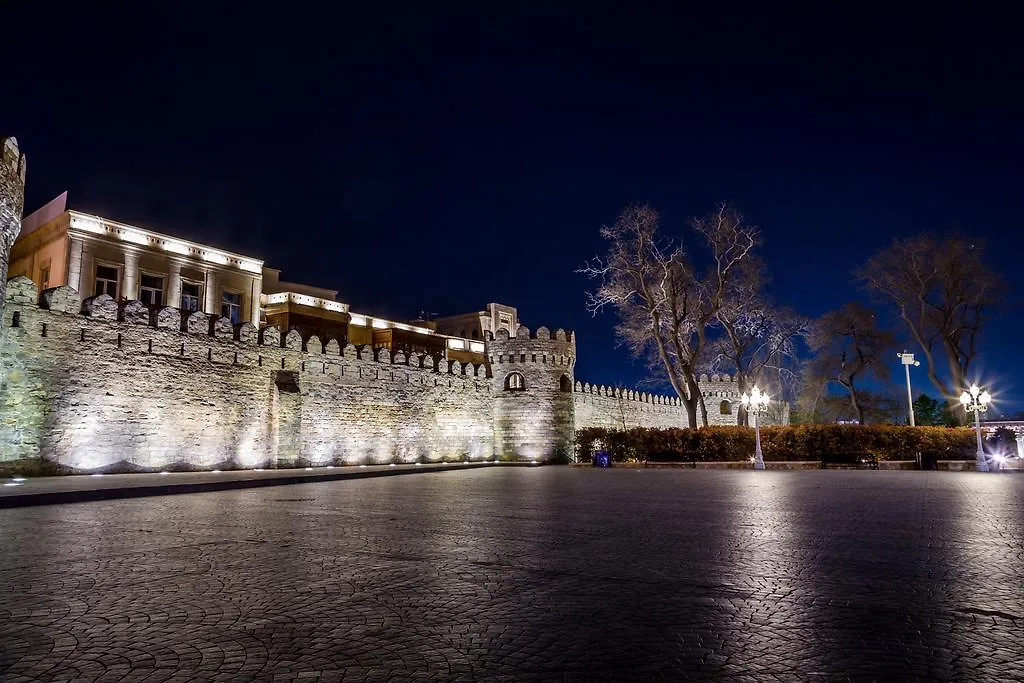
<point>440,159</point>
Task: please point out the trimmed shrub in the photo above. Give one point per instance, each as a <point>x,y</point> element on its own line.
<point>798,442</point>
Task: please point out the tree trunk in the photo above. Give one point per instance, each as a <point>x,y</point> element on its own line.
<point>694,401</point>
<point>691,412</point>
<point>857,408</point>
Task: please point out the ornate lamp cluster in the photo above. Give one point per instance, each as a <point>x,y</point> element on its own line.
<point>755,404</point>
<point>976,400</point>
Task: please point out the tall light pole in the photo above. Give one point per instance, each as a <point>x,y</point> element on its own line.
<point>976,401</point>
<point>908,360</point>
<point>756,404</point>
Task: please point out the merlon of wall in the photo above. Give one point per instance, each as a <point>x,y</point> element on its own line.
<point>625,394</point>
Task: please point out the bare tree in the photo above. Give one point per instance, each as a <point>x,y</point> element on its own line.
<point>757,338</point>
<point>848,346</point>
<point>878,407</point>
<point>665,305</point>
<point>943,291</point>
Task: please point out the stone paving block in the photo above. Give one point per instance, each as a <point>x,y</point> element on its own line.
<point>525,574</point>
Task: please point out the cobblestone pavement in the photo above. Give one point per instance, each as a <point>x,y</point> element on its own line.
<point>24,491</point>
<point>526,574</point>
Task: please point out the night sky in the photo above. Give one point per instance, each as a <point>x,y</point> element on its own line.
<point>440,159</point>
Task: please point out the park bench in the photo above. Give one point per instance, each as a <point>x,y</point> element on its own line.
<point>853,461</point>
<point>673,457</point>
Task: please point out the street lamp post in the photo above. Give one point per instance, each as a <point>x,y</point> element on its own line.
<point>908,360</point>
<point>755,404</point>
<point>976,401</point>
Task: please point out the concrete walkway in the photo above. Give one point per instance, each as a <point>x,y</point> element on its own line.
<point>26,491</point>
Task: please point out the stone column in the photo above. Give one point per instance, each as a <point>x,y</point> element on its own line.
<point>75,269</point>
<point>257,291</point>
<point>1020,444</point>
<point>88,266</point>
<point>211,294</point>
<point>12,202</point>
<point>173,297</point>
<point>130,286</point>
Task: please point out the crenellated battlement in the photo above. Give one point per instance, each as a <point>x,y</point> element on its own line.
<point>541,347</point>
<point>100,318</point>
<point>716,377</point>
<point>625,394</point>
<point>543,334</point>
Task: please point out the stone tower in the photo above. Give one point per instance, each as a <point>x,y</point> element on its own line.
<point>532,382</point>
<point>12,201</point>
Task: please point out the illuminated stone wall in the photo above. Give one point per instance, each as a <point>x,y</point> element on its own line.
<point>719,389</point>
<point>616,408</point>
<point>12,199</point>
<point>123,387</point>
<point>535,422</point>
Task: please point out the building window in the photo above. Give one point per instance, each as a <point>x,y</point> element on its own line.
<point>515,382</point>
<point>44,275</point>
<point>151,291</point>
<point>191,296</point>
<point>476,334</point>
<point>565,384</point>
<point>725,408</point>
<point>231,306</point>
<point>106,280</point>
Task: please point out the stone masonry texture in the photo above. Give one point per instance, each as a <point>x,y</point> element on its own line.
<point>12,200</point>
<point>526,574</point>
<point>536,422</point>
<point>621,408</point>
<point>91,392</point>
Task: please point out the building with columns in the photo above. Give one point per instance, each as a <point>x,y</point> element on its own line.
<point>96,255</point>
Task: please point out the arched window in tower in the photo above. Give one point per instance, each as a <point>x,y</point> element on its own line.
<point>514,381</point>
<point>725,408</point>
<point>565,384</point>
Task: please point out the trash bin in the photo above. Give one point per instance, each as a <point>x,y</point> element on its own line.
<point>602,459</point>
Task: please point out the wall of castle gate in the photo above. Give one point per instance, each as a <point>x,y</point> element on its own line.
<point>127,387</point>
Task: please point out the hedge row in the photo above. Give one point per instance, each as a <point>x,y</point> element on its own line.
<point>799,442</point>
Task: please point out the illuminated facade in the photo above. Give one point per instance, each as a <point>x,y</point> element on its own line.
<point>310,310</point>
<point>96,255</point>
<point>480,324</point>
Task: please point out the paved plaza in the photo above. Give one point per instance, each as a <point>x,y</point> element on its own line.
<point>515,574</point>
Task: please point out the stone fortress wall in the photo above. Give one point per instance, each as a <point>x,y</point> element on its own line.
<point>620,408</point>
<point>92,385</point>
<point>121,386</point>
